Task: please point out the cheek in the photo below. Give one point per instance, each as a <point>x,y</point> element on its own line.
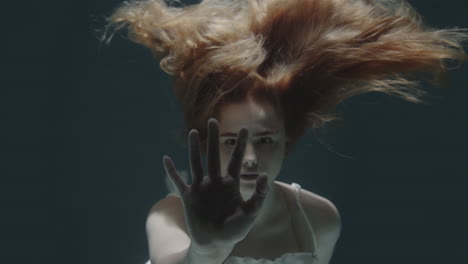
<point>272,157</point>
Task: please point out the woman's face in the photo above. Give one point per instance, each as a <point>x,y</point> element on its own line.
<point>266,142</point>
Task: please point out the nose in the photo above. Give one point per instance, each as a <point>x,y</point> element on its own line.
<point>250,161</point>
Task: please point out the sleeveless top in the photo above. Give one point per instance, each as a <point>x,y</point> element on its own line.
<point>309,255</point>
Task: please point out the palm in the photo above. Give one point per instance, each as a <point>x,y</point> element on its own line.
<point>214,209</point>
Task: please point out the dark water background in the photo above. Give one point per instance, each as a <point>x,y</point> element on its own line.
<point>84,129</point>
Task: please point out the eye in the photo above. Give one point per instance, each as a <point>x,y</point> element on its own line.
<point>230,141</point>
<point>265,140</point>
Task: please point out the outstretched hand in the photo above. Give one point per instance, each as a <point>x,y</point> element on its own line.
<point>215,212</point>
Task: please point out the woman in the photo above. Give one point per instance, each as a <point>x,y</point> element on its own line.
<point>268,70</point>
<point>239,209</point>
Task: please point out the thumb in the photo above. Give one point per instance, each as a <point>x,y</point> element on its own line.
<point>252,205</point>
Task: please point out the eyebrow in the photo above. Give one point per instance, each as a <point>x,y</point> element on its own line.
<point>263,133</point>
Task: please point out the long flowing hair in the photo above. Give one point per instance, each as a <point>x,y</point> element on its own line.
<point>306,56</point>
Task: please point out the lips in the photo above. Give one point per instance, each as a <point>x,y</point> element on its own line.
<point>249,176</point>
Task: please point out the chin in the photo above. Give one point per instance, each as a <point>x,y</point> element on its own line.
<point>246,194</point>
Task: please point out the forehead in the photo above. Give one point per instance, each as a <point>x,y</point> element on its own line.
<point>249,113</point>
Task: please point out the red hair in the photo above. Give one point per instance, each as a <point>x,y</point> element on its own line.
<point>305,56</point>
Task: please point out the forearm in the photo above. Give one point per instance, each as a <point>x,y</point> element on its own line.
<point>195,256</point>
<point>206,256</point>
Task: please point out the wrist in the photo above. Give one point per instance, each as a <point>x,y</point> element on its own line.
<point>214,254</point>
<point>211,249</point>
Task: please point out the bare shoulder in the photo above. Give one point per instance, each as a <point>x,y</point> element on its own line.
<point>166,229</point>
<point>169,210</point>
<point>322,213</point>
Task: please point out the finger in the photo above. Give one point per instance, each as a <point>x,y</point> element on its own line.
<point>253,205</point>
<point>213,163</point>
<point>196,166</point>
<point>174,175</point>
<point>237,155</point>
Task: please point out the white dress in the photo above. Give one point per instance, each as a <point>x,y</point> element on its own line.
<point>309,255</point>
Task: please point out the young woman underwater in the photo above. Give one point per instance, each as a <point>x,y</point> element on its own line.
<point>251,78</point>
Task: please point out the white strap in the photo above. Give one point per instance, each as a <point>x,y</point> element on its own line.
<point>297,194</point>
